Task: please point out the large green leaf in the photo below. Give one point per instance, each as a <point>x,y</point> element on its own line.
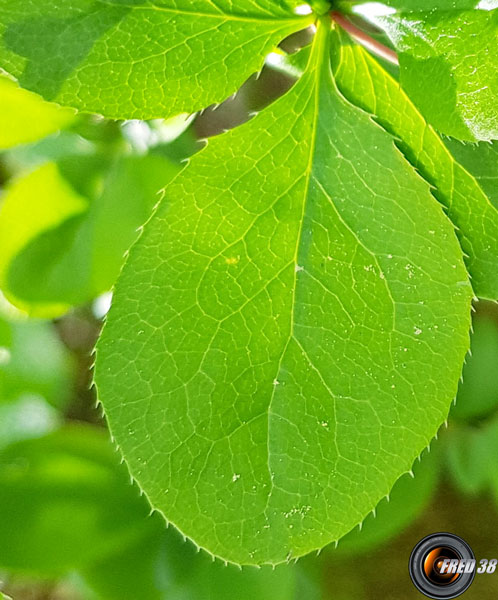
<point>140,58</point>
<point>25,118</point>
<point>449,69</point>
<point>475,213</point>
<point>289,330</point>
<point>65,503</point>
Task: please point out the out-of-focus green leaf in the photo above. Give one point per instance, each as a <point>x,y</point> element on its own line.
<point>448,67</point>
<point>478,393</point>
<point>4,597</point>
<point>33,362</point>
<point>67,261</point>
<point>472,449</point>
<point>409,496</point>
<point>31,204</point>
<point>50,149</point>
<point>140,58</point>
<point>164,567</point>
<point>494,477</point>
<point>65,503</point>
<point>472,456</point>
<point>25,117</point>
<point>26,418</point>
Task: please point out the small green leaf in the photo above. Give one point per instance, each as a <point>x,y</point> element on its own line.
<point>31,204</point>
<point>448,68</point>
<point>474,213</point>
<point>65,254</point>
<point>289,330</point>
<point>65,503</point>
<point>79,259</point>
<point>139,58</point>
<point>24,117</point>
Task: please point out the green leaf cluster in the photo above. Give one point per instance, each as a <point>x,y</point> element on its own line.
<point>289,329</point>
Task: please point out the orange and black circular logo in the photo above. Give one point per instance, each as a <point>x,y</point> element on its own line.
<point>442,565</point>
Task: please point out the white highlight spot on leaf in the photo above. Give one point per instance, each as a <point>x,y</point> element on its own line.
<point>487,4</point>
<point>235,477</point>
<point>4,356</point>
<point>373,9</point>
<point>303,9</point>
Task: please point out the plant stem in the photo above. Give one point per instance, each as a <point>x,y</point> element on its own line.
<point>364,39</point>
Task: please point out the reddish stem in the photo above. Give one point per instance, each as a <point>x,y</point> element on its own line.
<point>364,39</point>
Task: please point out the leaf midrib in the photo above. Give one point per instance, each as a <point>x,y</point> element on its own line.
<point>318,55</point>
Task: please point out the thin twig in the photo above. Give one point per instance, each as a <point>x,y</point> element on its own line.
<point>364,39</point>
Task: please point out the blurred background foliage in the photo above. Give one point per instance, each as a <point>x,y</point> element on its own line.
<point>74,191</point>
